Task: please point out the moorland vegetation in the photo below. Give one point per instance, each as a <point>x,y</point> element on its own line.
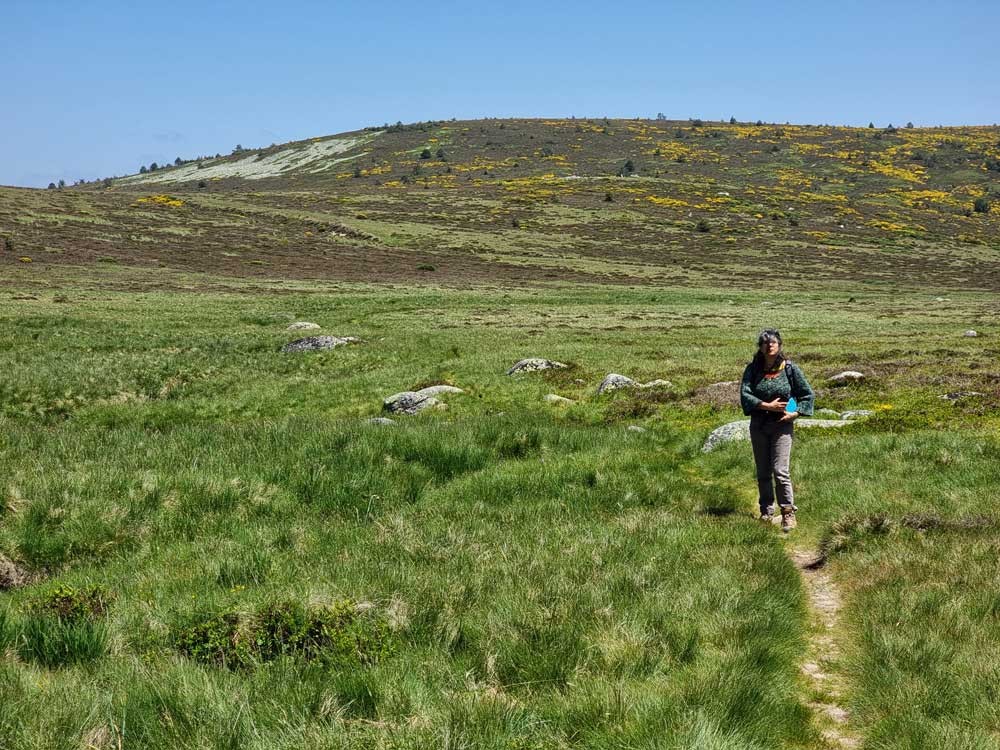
<point>206,543</point>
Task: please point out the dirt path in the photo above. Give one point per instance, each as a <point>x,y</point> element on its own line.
<point>821,666</point>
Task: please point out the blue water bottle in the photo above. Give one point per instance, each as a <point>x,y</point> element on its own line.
<point>792,406</point>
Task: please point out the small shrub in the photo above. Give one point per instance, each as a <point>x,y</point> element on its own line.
<point>426,267</point>
<point>337,634</point>
<point>981,205</point>
<point>72,604</point>
<point>703,226</point>
<point>425,154</point>
<point>608,198</point>
<point>637,403</point>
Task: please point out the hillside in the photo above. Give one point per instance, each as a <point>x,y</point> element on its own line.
<point>623,201</point>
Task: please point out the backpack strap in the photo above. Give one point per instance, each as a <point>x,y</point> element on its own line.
<point>793,379</point>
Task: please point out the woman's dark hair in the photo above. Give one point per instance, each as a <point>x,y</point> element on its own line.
<point>765,336</point>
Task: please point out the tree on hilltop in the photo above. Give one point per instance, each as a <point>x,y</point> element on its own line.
<point>62,184</point>
<point>871,125</point>
<point>178,161</point>
<point>142,169</point>
<point>52,186</point>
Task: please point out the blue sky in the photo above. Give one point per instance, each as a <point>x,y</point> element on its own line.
<point>96,88</point>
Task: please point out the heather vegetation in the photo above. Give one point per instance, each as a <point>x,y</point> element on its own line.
<point>206,543</point>
<point>598,201</point>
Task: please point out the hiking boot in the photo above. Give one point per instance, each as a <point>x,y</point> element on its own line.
<point>767,515</point>
<point>788,519</point>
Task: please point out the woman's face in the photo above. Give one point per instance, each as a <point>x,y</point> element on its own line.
<point>770,347</point>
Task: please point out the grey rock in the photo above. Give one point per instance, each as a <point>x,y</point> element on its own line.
<point>303,325</point>
<point>961,394</point>
<point>970,334</point>
<point>856,413</point>
<point>557,400</point>
<point>534,364</point>
<point>828,413</point>
<point>613,382</point>
<point>414,402</point>
<point>11,575</point>
<point>380,421</point>
<point>318,343</point>
<point>437,390</point>
<point>740,430</point>
<point>635,428</point>
<point>847,376</point>
<point>658,383</point>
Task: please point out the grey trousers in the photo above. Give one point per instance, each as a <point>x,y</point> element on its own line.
<point>772,449</point>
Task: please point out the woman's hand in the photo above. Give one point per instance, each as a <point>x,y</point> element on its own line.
<point>776,405</point>
<point>789,416</point>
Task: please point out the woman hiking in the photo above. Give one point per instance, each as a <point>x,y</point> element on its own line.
<point>771,384</point>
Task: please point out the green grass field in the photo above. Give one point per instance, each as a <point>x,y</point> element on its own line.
<point>222,553</point>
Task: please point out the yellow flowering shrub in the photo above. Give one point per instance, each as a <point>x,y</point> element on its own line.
<point>161,200</point>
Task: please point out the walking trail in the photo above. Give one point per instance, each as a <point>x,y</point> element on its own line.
<point>823,656</point>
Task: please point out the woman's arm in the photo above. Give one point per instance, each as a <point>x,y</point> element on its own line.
<point>748,401</point>
<point>803,392</point>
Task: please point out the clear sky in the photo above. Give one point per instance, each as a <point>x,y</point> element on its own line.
<point>94,88</point>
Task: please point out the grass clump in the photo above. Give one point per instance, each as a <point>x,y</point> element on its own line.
<point>63,627</point>
<point>337,634</point>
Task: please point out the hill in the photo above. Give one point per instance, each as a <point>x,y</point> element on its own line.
<point>619,201</point>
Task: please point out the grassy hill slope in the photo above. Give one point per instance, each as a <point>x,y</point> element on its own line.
<point>619,201</point>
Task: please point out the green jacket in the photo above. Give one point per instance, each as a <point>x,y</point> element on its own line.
<point>755,388</point>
